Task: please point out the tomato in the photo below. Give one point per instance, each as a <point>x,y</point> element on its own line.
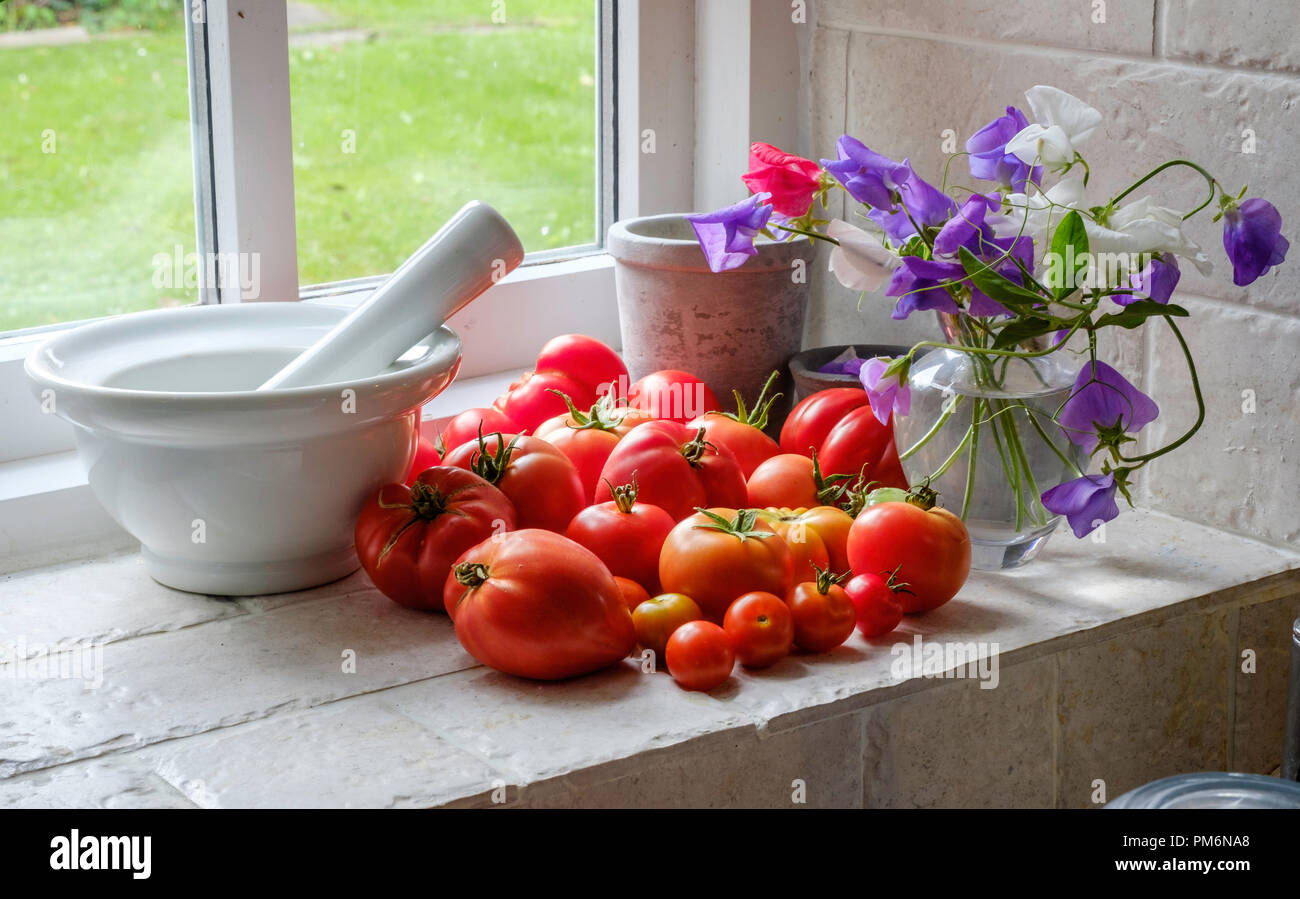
<point>790,480</point>
<point>717,554</point>
<point>573,364</point>
<point>535,604</point>
<point>672,396</point>
<point>875,603</point>
<point>588,438</point>
<point>742,431</point>
<point>839,425</point>
<point>927,546</point>
<point>823,613</point>
<point>625,534</point>
<point>540,480</point>
<point>408,537</point>
<point>761,629</point>
<point>467,425</point>
<point>676,468</point>
<point>829,523</point>
<point>427,456</point>
<point>633,593</point>
<point>807,548</point>
<point>699,655</point>
<point>657,618</point>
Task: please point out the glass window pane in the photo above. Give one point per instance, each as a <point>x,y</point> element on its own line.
<point>404,110</point>
<point>96,178</point>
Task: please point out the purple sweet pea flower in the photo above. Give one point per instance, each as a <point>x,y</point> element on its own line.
<point>930,207</point>
<point>887,394</point>
<point>1085,502</point>
<point>1252,238</point>
<point>917,281</point>
<point>727,236</point>
<point>868,177</point>
<point>1021,248</point>
<point>1156,281</point>
<point>1104,405</point>
<point>966,228</point>
<point>989,159</point>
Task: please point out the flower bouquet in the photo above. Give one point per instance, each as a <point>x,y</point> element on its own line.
<point>1012,416</point>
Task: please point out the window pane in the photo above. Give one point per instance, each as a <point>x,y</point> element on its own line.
<point>404,110</point>
<point>96,179</point>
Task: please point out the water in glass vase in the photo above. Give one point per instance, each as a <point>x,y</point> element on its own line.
<point>981,428</point>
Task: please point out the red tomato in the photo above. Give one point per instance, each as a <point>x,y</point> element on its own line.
<point>539,479</point>
<point>534,398</point>
<point>657,618</point>
<point>839,425</point>
<point>672,396</point>
<point>426,456</point>
<point>718,554</point>
<point>573,364</point>
<point>466,426</point>
<point>761,629</point>
<point>792,481</point>
<point>807,548</point>
<point>742,432</point>
<point>823,613</point>
<point>588,438</point>
<point>830,524</point>
<point>408,537</point>
<point>535,604</point>
<point>625,534</point>
<point>875,603</point>
<point>928,547</point>
<point>676,469</point>
<point>586,360</point>
<point>699,655</point>
<point>633,593</point>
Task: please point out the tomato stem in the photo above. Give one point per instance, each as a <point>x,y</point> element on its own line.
<point>923,496</point>
<point>757,416</point>
<point>825,579</point>
<point>741,527</point>
<point>487,466</point>
<point>693,452</point>
<point>624,496</point>
<point>471,574</point>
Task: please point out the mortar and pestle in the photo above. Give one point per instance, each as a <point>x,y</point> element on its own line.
<point>238,442</point>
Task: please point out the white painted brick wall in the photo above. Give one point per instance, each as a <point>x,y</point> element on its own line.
<point>1172,79</point>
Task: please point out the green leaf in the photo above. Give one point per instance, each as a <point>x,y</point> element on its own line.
<point>1135,314</point>
<point>1021,329</point>
<point>1070,245</point>
<point>993,285</point>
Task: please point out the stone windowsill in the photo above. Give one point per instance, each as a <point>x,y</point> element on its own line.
<point>1116,660</point>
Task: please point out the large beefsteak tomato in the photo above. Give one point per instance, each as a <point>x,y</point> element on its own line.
<point>676,468</point>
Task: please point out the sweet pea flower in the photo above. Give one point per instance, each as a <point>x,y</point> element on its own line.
<point>1144,227</point>
<point>868,177</point>
<point>1061,122</point>
<point>791,180</point>
<point>727,235</point>
<point>1033,215</point>
<point>1156,281</point>
<point>928,205</point>
<point>1021,248</point>
<point>1252,238</point>
<point>1104,406</point>
<point>916,283</point>
<point>989,159</point>
<point>887,392</point>
<point>860,262</point>
<point>964,228</point>
<point>1085,502</point>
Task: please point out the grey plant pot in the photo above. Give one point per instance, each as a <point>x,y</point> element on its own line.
<point>731,329</point>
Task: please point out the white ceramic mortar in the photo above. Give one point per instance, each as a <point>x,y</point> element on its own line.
<point>229,490</point>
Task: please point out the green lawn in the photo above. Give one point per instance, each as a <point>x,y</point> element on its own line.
<point>445,108</point>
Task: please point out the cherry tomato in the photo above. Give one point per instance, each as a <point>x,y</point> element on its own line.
<point>657,618</point>
<point>928,547</point>
<point>540,480</point>
<point>742,432</point>
<point>875,604</point>
<point>718,554</point>
<point>408,537</point>
<point>672,395</point>
<point>633,593</point>
<point>467,425</point>
<point>761,628</point>
<point>823,613</point>
<point>535,604</point>
<point>676,469</point>
<point>839,425</point>
<point>699,655</point>
<point>626,535</point>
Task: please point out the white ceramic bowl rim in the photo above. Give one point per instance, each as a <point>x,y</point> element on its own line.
<point>441,351</point>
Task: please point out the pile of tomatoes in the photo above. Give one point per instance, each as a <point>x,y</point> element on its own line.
<point>581,516</point>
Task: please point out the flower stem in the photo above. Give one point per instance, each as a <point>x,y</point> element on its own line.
<point>1200,405</point>
<point>1160,168</point>
<point>947,463</point>
<point>974,447</point>
<point>946,414</point>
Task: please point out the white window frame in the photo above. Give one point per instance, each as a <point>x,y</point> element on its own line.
<point>670,66</point>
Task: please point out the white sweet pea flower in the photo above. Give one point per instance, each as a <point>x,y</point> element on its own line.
<point>1143,227</point>
<point>1062,122</point>
<point>861,261</point>
<point>1037,213</point>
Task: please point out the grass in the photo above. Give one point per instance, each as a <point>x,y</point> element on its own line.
<point>443,106</point>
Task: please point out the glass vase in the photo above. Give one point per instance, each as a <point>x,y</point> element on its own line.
<point>981,428</point>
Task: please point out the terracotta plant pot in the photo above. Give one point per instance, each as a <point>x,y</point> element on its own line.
<point>732,329</point>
